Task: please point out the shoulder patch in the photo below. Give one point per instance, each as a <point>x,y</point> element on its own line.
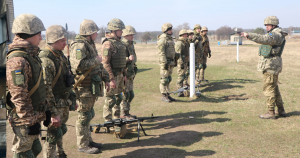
<point>105,52</point>
<point>78,54</point>
<point>270,34</point>
<point>18,77</point>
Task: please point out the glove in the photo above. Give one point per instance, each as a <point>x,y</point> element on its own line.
<point>209,55</point>
<point>182,66</point>
<point>135,70</point>
<point>166,66</point>
<point>34,129</point>
<point>48,118</point>
<point>188,64</point>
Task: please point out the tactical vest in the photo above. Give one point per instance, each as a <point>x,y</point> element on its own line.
<point>39,96</point>
<point>60,86</point>
<point>185,49</point>
<point>170,48</point>
<point>205,45</point>
<point>118,60</point>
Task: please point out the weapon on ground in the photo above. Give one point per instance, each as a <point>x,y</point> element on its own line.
<point>121,123</point>
<point>186,88</point>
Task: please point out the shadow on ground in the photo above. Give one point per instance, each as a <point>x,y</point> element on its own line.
<point>142,70</point>
<point>216,85</point>
<point>293,113</point>
<point>165,152</point>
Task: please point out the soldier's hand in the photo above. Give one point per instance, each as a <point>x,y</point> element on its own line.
<point>209,55</point>
<point>99,58</point>
<point>107,86</point>
<point>55,121</point>
<point>131,57</point>
<point>112,84</point>
<point>244,34</point>
<point>76,106</point>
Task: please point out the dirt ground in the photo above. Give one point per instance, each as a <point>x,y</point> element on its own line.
<point>225,119</point>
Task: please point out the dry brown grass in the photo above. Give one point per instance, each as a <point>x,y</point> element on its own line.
<point>226,122</point>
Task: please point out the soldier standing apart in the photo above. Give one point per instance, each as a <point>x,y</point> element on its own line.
<point>86,63</point>
<point>198,52</point>
<point>206,52</point>
<point>132,69</point>
<point>27,93</point>
<point>166,52</point>
<point>270,63</point>
<point>182,48</point>
<point>114,53</point>
<point>58,83</point>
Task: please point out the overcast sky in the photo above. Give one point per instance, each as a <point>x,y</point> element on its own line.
<point>150,15</point>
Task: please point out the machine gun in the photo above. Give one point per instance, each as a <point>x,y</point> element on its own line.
<point>121,126</point>
<point>185,91</point>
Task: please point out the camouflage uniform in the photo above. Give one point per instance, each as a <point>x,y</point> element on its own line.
<point>83,58</point>
<point>22,74</point>
<point>131,72</point>
<point>198,52</point>
<point>182,48</point>
<point>114,53</point>
<point>270,63</point>
<point>59,95</point>
<point>206,52</point>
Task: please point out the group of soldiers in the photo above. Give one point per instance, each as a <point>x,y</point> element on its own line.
<point>177,54</point>
<point>44,85</point>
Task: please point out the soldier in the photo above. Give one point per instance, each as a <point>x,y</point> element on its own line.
<point>132,69</point>
<point>198,51</point>
<point>190,40</point>
<point>206,52</point>
<point>166,52</point>
<point>182,48</point>
<point>86,63</point>
<point>58,79</point>
<point>190,36</point>
<point>270,63</point>
<point>27,92</point>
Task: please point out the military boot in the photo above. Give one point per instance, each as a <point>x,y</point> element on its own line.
<point>172,99</point>
<point>63,155</point>
<point>165,98</point>
<point>127,116</point>
<point>89,150</point>
<point>280,112</point>
<point>269,115</point>
<point>97,145</point>
<point>180,94</point>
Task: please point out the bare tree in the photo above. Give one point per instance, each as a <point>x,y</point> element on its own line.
<point>146,37</point>
<point>224,32</point>
<point>180,27</point>
<point>259,30</point>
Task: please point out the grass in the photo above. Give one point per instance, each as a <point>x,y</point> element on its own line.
<point>225,123</point>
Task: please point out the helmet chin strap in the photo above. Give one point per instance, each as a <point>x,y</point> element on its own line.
<point>116,35</point>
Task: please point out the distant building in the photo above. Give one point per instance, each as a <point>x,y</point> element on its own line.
<point>295,33</point>
<point>234,38</point>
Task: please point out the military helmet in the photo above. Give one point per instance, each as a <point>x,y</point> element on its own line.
<point>88,27</point>
<point>204,28</point>
<point>183,31</point>
<point>190,32</point>
<point>28,24</point>
<point>129,30</point>
<point>271,20</point>
<point>55,33</point>
<point>115,24</point>
<point>197,26</point>
<point>166,26</point>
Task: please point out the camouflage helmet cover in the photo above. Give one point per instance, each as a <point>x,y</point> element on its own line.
<point>55,33</point>
<point>271,20</point>
<point>28,24</point>
<point>204,28</point>
<point>197,26</point>
<point>183,31</point>
<point>115,24</point>
<point>129,30</point>
<point>166,26</point>
<point>190,32</point>
<point>88,27</point>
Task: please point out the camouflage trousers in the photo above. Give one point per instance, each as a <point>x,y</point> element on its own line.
<point>165,79</point>
<point>183,74</point>
<point>85,114</point>
<point>201,68</point>
<point>128,94</point>
<point>23,143</point>
<point>55,134</point>
<point>271,91</point>
<point>113,99</point>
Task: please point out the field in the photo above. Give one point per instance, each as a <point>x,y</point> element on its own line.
<point>225,122</point>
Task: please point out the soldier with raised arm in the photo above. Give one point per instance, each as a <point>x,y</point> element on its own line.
<point>86,64</point>
<point>270,63</point>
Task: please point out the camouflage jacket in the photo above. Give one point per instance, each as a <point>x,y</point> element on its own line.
<point>131,64</point>
<point>273,38</point>
<point>19,93</point>
<point>198,46</point>
<point>166,49</point>
<point>106,58</point>
<point>49,74</point>
<point>182,48</point>
<point>205,45</point>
